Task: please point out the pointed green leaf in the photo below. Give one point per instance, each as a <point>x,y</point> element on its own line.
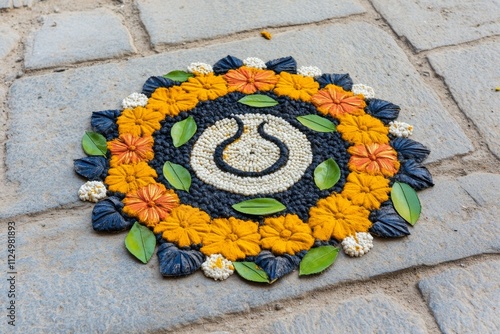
<point>406,202</point>
<point>179,76</point>
<point>258,101</point>
<point>94,143</point>
<point>177,176</point>
<point>140,242</point>
<point>317,123</point>
<point>327,174</point>
<point>259,206</point>
<point>182,131</point>
<point>318,259</point>
<point>251,272</point>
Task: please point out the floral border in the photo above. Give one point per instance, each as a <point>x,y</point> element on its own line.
<point>380,156</point>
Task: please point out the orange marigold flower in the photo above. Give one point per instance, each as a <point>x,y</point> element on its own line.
<point>248,80</point>
<point>151,203</point>
<point>366,190</point>
<point>139,121</point>
<point>337,217</point>
<point>130,149</point>
<point>125,178</point>
<point>296,86</point>
<point>171,101</point>
<point>184,226</point>
<point>286,234</point>
<point>363,129</point>
<point>336,101</point>
<point>374,159</point>
<point>233,238</point>
<point>206,87</point>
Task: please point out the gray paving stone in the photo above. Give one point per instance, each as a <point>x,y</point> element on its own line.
<point>4,4</point>
<point>483,196</point>
<point>77,36</point>
<point>370,314</point>
<point>69,274</point>
<point>430,24</point>
<point>57,107</point>
<point>8,39</point>
<point>471,76</point>
<point>465,300</point>
<point>168,21</point>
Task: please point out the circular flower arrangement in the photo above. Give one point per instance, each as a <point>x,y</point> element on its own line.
<point>256,167</point>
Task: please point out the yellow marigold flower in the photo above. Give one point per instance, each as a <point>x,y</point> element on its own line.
<point>151,203</point>
<point>206,87</point>
<point>184,226</point>
<point>337,102</point>
<point>366,190</point>
<point>374,159</point>
<point>233,238</point>
<point>286,234</point>
<point>139,121</point>
<point>171,101</point>
<point>248,80</point>
<point>363,129</point>
<point>296,86</point>
<point>130,149</point>
<point>337,217</point>
<point>125,178</point>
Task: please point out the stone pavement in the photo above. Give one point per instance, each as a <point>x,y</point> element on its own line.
<point>436,59</point>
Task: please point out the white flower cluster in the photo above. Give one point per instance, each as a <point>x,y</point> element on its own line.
<point>217,267</point>
<point>400,129</point>
<point>201,68</point>
<point>92,191</point>
<point>254,62</point>
<point>134,100</point>
<point>239,155</point>
<point>309,71</point>
<point>359,245</point>
<point>367,91</point>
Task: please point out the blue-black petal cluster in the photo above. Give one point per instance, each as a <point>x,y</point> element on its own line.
<point>107,216</point>
<point>387,223</point>
<point>277,266</point>
<point>178,262</point>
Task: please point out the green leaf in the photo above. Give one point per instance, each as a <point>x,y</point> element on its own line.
<point>251,272</point>
<point>94,143</point>
<point>141,242</point>
<point>327,174</point>
<point>258,101</point>
<point>177,176</point>
<point>182,131</point>
<point>317,123</point>
<point>318,259</point>
<point>179,76</point>
<point>259,206</point>
<point>406,202</point>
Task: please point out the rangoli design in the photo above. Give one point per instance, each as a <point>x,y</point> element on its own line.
<point>256,167</point>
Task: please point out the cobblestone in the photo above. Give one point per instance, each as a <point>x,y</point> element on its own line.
<point>8,40</point>
<point>431,24</point>
<point>471,77</point>
<point>465,300</point>
<point>69,97</point>
<point>356,315</point>
<point>77,36</point>
<point>168,21</point>
<point>68,267</point>
<point>72,279</point>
